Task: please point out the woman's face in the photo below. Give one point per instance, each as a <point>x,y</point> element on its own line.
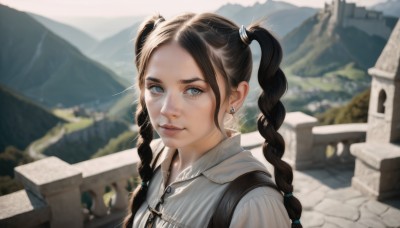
<point>180,103</point>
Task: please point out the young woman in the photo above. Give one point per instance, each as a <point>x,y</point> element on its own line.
<point>193,74</point>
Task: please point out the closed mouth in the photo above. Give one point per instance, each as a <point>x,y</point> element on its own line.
<point>170,127</point>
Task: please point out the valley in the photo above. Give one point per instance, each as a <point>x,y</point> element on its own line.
<point>70,95</point>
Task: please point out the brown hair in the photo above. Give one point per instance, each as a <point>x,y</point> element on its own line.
<point>215,45</point>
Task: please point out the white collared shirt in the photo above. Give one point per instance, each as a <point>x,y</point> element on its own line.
<point>191,199</point>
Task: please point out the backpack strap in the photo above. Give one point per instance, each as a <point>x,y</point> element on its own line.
<point>234,193</point>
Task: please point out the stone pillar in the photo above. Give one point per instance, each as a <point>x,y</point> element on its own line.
<point>57,183</point>
<point>297,132</point>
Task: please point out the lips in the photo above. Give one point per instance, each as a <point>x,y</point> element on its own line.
<point>170,127</point>
<point>169,130</point>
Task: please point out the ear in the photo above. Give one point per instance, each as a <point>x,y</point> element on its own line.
<point>238,96</point>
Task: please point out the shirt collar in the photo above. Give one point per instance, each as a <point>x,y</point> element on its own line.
<point>225,149</point>
<point>221,164</point>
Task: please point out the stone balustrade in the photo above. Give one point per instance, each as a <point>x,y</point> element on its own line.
<point>312,146</point>
<point>334,141</point>
<point>112,171</point>
<point>53,188</point>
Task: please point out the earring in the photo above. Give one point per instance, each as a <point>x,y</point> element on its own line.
<point>232,110</point>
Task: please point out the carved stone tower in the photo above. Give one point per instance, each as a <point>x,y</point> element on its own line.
<point>377,169</point>
<point>384,105</point>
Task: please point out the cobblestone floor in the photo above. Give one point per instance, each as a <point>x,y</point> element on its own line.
<point>329,201</point>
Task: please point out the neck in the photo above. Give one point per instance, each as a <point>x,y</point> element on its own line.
<point>189,155</point>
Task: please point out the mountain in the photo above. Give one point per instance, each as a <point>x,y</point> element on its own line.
<point>117,48</point>
<point>280,17</point>
<point>124,141</point>
<point>326,64</point>
<point>117,53</point>
<point>78,38</point>
<point>22,121</point>
<point>101,27</point>
<point>39,64</point>
<point>389,7</point>
<point>314,48</point>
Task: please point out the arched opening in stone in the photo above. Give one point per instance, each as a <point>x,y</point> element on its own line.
<point>381,101</point>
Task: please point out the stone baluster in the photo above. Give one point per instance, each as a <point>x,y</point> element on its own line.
<point>120,199</point>
<point>344,153</point>
<point>57,183</point>
<point>98,209</point>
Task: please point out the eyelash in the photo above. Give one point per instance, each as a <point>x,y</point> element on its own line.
<point>198,90</point>
<point>151,87</point>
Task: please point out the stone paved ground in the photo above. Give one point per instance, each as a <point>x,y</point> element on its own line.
<point>329,201</point>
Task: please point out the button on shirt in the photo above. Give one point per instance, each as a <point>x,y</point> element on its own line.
<point>191,199</point>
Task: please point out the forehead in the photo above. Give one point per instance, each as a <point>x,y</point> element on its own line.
<point>172,61</point>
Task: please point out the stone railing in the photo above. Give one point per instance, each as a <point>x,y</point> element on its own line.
<point>111,171</point>
<point>53,188</point>
<point>335,140</point>
<point>312,146</point>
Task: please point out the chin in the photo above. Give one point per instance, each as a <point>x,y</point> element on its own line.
<point>171,143</point>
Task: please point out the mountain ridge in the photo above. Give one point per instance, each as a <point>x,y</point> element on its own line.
<point>80,39</point>
<point>46,68</point>
<point>280,17</point>
<point>316,48</point>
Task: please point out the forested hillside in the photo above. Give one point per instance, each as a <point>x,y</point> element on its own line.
<point>22,121</point>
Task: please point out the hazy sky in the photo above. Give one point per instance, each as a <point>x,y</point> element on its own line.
<point>117,8</point>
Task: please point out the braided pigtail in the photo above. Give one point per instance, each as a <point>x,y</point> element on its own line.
<point>145,132</point>
<point>273,83</point>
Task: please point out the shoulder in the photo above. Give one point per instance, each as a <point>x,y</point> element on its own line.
<point>262,206</point>
<point>233,167</point>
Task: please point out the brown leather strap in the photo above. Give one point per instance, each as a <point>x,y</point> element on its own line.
<point>234,193</point>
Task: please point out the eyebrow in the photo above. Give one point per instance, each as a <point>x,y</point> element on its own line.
<point>184,81</point>
<point>153,79</point>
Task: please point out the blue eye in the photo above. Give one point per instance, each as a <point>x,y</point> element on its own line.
<point>194,91</point>
<point>155,89</point>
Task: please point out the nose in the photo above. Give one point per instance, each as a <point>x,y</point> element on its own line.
<point>171,106</point>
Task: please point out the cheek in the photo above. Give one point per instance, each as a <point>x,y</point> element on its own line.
<point>151,104</point>
<point>205,110</point>
<point>146,97</point>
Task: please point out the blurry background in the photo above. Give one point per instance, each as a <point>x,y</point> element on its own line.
<point>66,68</point>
